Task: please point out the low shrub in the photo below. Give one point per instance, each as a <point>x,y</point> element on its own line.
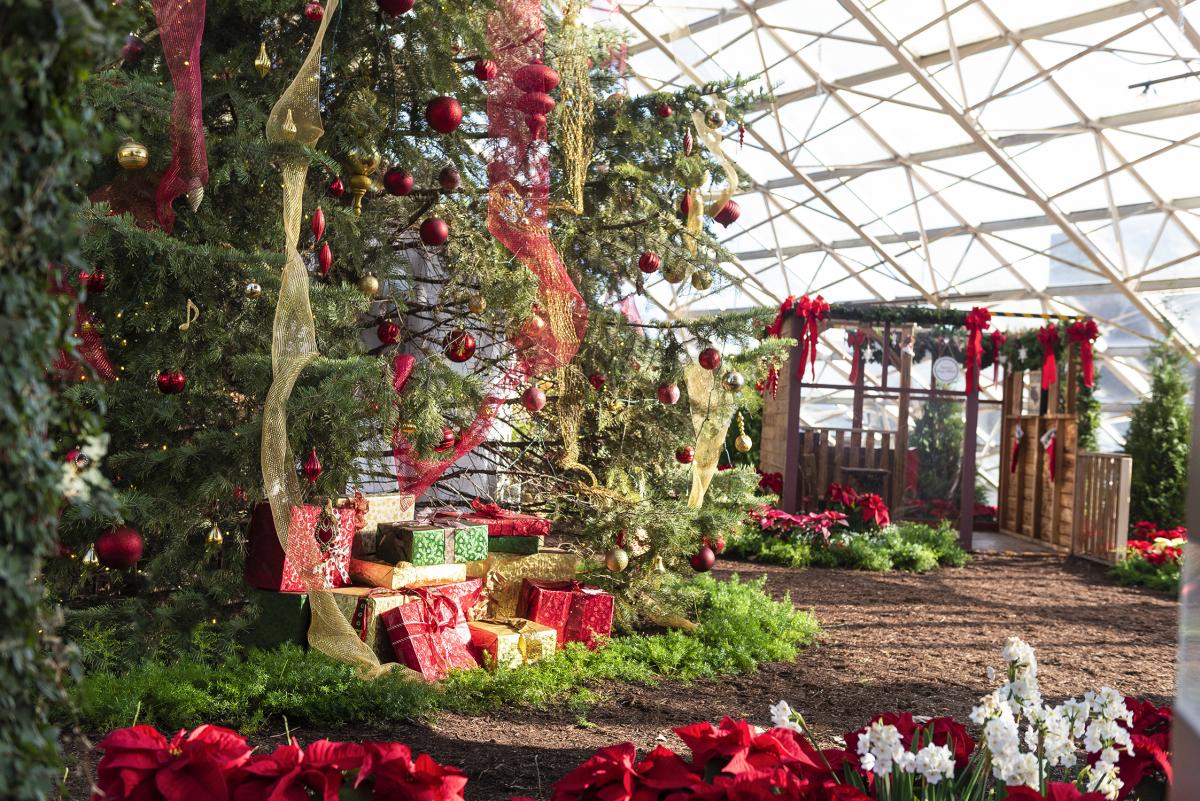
<point>739,628</point>
<point>914,547</point>
<point>1153,558</point>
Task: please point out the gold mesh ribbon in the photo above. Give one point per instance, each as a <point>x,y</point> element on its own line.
<point>296,117</point>
<point>712,410</point>
<point>572,392</point>
<point>711,137</point>
<point>576,114</point>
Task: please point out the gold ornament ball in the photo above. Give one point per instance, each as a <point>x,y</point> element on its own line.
<point>369,285</point>
<point>743,443</point>
<point>408,429</point>
<point>702,280</point>
<point>616,559</point>
<point>477,304</point>
<point>713,118</point>
<point>674,273</point>
<point>133,156</point>
<point>252,290</point>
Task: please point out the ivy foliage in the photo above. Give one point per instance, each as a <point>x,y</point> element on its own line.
<point>1159,439</point>
<point>48,140</point>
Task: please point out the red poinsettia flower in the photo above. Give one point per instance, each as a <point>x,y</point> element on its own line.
<point>874,510</point>
<point>840,493</point>
<point>1144,530</point>
<point>1055,791</point>
<point>140,765</point>
<point>722,743</point>
<point>607,774</point>
<point>1151,736</point>
<point>949,732</point>
<point>397,777</point>
<point>289,772</point>
<point>764,784</point>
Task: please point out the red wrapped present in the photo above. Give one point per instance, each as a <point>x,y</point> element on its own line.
<point>501,522</point>
<point>430,635</point>
<point>269,568</point>
<point>577,612</point>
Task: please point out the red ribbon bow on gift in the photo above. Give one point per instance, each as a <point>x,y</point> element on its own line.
<point>436,620</point>
<point>492,510</point>
<point>977,320</point>
<point>776,326</point>
<point>998,340</point>
<point>813,311</point>
<point>856,340</point>
<point>1048,337</point>
<point>1085,332</point>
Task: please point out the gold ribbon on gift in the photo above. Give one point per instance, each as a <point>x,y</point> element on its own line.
<point>296,117</point>
<point>712,408</point>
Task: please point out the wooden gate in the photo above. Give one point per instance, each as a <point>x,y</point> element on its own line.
<point>1101,520</point>
<point>865,459</point>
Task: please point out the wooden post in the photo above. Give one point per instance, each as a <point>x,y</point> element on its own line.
<point>1185,731</point>
<point>901,479</point>
<point>966,511</point>
<point>790,500</point>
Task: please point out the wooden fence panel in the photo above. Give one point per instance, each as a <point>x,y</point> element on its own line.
<point>1100,519</point>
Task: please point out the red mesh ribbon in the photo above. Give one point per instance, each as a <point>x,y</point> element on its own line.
<point>856,339</point>
<point>180,28</point>
<point>518,216</point>
<point>1048,337</point>
<point>998,340</point>
<point>91,347</point>
<point>1085,332</point>
<point>977,320</point>
<point>812,311</point>
<point>1015,453</point>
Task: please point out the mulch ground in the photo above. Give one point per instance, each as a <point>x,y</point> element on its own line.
<point>891,641</point>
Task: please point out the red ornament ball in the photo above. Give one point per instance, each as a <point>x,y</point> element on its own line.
<point>448,440</point>
<point>95,281</point>
<point>435,231</point>
<point>449,179</point>
<point>486,69</point>
<point>710,358</point>
<point>395,7</point>
<point>119,548</point>
<point>668,394</point>
<point>444,114</point>
<point>533,399</point>
<point>703,559</point>
<point>397,182</point>
<point>171,382</point>
<point>649,261</point>
<point>535,326</point>
<point>536,77</point>
<point>597,380</point>
<point>459,346</point>
<point>133,50</point>
<point>337,188</point>
<point>728,213</point>
<point>388,332</point>
<point>314,11</point>
<point>665,111</point>
<point>685,455</point>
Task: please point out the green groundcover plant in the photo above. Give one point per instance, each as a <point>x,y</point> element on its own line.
<point>818,542</point>
<point>739,627</point>
<point>1153,558</point>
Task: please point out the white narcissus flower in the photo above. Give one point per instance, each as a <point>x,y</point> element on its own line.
<point>880,747</point>
<point>1019,656</point>
<point>781,716</point>
<point>989,707</point>
<point>935,763</point>
<point>1104,780</point>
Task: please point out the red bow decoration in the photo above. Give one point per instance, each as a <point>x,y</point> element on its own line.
<point>1048,337</point>
<point>492,510</point>
<point>856,340</point>
<point>813,311</point>
<point>776,326</point>
<point>1085,332</point>
<point>998,340</point>
<point>977,320</point>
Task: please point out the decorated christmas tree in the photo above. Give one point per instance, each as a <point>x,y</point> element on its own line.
<point>378,230</point>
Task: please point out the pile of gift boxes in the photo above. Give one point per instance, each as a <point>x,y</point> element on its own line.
<point>455,590</point>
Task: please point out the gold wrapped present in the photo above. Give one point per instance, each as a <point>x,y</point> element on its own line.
<point>503,573</point>
<point>362,606</point>
<point>391,508</point>
<point>511,642</point>
<point>402,575</point>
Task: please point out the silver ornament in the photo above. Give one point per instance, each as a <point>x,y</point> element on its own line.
<point>733,381</point>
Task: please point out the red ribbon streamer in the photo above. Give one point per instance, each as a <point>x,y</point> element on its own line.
<point>776,326</point>
<point>856,340</point>
<point>91,346</point>
<point>1016,452</point>
<point>1048,337</point>
<point>998,340</point>
<point>180,28</point>
<point>812,311</point>
<point>1085,332</point>
<point>1051,454</point>
<point>977,320</point>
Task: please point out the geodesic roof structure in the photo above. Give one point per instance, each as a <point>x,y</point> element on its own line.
<point>1018,154</point>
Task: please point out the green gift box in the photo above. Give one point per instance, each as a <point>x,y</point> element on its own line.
<point>431,544</point>
<point>517,544</point>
